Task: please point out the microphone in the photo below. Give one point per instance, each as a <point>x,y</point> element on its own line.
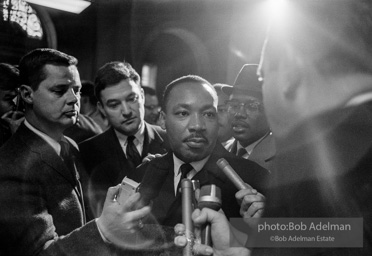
<point>232,175</point>
<point>210,197</point>
<point>187,200</point>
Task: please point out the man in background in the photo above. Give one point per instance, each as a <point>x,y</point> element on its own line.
<point>42,202</point>
<point>253,139</point>
<point>115,154</point>
<point>152,108</point>
<point>11,117</point>
<point>225,132</point>
<point>88,105</point>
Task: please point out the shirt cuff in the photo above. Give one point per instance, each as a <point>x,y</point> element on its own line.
<point>100,232</point>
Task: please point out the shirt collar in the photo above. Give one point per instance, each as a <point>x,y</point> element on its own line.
<point>197,165</point>
<point>140,135</point>
<point>53,143</point>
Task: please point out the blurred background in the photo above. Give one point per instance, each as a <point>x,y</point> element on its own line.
<point>162,39</point>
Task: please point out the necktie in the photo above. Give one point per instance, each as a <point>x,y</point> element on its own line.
<point>132,152</point>
<point>185,169</point>
<point>68,159</point>
<point>241,152</point>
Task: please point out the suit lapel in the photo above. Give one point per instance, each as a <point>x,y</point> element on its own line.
<point>153,142</point>
<point>50,158</point>
<point>47,154</point>
<point>264,150</point>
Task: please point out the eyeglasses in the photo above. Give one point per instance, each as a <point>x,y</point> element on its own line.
<point>234,106</point>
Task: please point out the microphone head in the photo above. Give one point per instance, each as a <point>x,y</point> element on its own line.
<point>222,163</point>
<point>210,197</point>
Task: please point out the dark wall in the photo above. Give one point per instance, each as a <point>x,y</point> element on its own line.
<point>211,38</point>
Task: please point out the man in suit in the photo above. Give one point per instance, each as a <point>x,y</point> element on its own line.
<point>42,205</point>
<point>152,108</point>
<point>116,153</point>
<point>225,133</point>
<point>190,117</point>
<point>11,117</point>
<point>253,139</point>
<point>317,72</point>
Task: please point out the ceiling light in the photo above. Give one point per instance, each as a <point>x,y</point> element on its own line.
<point>74,6</point>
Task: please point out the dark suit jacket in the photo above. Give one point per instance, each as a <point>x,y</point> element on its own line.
<point>40,202</point>
<point>158,184</point>
<point>104,158</point>
<point>325,170</point>
<point>263,153</point>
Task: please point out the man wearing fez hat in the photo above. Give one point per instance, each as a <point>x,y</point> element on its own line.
<point>252,136</point>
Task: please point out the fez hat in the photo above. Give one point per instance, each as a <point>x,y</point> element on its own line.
<point>246,82</point>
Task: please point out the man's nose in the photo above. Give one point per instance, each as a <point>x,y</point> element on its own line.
<point>197,122</point>
<point>241,112</point>
<point>72,96</point>
<point>125,109</point>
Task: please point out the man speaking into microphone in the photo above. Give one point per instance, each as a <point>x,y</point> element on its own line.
<point>189,114</point>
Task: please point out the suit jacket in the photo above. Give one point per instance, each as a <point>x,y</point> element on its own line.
<point>41,203</point>
<point>158,184</point>
<point>324,170</point>
<point>263,153</point>
<point>107,164</point>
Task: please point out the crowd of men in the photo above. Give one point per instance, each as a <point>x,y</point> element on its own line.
<point>296,128</point>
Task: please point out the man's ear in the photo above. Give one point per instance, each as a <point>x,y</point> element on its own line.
<point>27,93</point>
<point>100,109</point>
<point>143,94</point>
<point>161,120</point>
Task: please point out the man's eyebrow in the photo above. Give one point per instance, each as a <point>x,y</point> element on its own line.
<point>112,100</point>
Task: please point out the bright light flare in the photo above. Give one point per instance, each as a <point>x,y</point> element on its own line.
<point>276,10</point>
<point>74,6</point>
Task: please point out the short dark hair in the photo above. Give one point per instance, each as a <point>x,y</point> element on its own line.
<point>183,79</point>
<point>9,77</point>
<point>112,73</point>
<point>31,66</point>
<point>87,90</point>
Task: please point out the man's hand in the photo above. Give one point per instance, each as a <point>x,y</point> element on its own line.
<point>222,237</point>
<point>252,203</point>
<point>150,157</point>
<point>120,219</point>
<point>14,119</point>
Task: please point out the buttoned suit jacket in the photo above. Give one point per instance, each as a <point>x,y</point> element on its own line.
<point>158,184</point>
<point>263,153</point>
<point>41,211</point>
<point>107,164</point>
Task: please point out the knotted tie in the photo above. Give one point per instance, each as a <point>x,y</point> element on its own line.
<point>241,152</point>
<point>132,152</point>
<point>68,159</point>
<point>185,169</point>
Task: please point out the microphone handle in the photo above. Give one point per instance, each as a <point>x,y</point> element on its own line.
<point>231,174</point>
<point>187,208</point>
